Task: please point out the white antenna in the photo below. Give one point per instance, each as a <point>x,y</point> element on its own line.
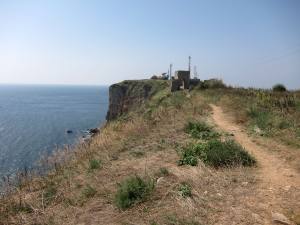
<point>195,72</point>
<point>171,66</point>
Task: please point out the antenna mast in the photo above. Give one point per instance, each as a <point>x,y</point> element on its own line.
<point>190,61</point>
<point>171,66</point>
<point>195,72</point>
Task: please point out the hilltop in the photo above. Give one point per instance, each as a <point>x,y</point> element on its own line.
<point>209,155</point>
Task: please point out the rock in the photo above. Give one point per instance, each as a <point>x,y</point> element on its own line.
<point>69,131</point>
<point>280,218</point>
<point>94,131</point>
<point>131,93</point>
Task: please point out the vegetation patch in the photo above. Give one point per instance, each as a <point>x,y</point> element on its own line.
<point>164,171</point>
<point>188,156</point>
<point>217,153</point>
<point>49,193</point>
<point>94,164</point>
<point>88,192</point>
<point>133,190</point>
<point>222,154</point>
<point>201,130</point>
<point>185,190</point>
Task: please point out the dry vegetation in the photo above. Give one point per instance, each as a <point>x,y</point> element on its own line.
<point>129,174</point>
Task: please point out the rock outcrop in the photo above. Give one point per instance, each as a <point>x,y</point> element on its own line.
<point>127,94</point>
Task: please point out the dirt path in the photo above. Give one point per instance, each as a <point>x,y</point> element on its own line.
<point>275,176</point>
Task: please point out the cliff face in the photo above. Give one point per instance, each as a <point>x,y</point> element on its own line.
<point>127,94</point>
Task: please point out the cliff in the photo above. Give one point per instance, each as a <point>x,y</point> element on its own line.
<point>131,93</point>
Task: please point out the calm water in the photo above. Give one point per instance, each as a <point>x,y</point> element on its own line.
<point>34,120</point>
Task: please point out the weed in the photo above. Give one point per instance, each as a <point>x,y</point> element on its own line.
<point>263,119</point>
<point>49,193</point>
<point>88,192</point>
<point>164,171</point>
<point>137,154</point>
<point>94,164</point>
<point>185,190</point>
<point>188,157</point>
<point>173,220</point>
<point>284,125</point>
<point>200,130</point>
<point>21,207</point>
<point>133,190</point>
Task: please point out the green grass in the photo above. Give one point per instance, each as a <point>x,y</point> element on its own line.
<point>94,164</point>
<point>216,153</point>
<point>49,193</point>
<point>200,130</point>
<point>223,154</point>
<point>163,171</point>
<point>185,190</point>
<point>133,190</point>
<point>188,156</point>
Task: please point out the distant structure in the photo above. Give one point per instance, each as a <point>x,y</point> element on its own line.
<point>182,79</point>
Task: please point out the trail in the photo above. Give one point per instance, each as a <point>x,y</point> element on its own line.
<point>274,175</point>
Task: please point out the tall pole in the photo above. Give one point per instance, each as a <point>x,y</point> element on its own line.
<point>190,61</point>
<point>171,66</point>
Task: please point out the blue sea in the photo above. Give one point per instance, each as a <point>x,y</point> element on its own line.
<point>34,120</point>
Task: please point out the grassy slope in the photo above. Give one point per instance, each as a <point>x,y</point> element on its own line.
<point>142,143</point>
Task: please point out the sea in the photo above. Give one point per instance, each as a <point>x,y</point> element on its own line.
<point>35,120</point>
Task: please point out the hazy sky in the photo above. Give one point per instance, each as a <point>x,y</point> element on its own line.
<point>244,42</point>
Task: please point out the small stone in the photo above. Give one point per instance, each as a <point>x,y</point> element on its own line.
<point>205,192</point>
<point>280,218</point>
<point>219,194</point>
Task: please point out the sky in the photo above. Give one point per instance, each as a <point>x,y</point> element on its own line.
<point>246,43</point>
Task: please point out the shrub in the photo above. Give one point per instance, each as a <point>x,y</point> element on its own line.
<point>88,192</point>
<point>133,190</point>
<point>222,154</point>
<point>94,164</point>
<point>200,130</point>
<point>185,190</point>
<point>279,88</point>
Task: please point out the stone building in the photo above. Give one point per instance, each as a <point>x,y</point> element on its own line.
<point>181,80</point>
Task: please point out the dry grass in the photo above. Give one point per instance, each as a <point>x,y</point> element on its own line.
<point>64,196</point>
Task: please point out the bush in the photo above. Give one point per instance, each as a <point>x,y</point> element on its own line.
<point>133,190</point>
<point>223,154</point>
<point>200,130</point>
<point>185,190</point>
<point>279,88</point>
